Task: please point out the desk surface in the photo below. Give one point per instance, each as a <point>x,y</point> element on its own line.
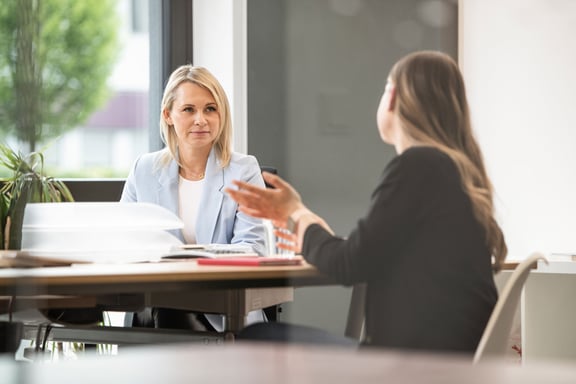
<point>255,364</point>
<point>128,278</point>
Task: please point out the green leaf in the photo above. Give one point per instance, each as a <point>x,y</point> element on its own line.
<point>27,184</point>
<point>17,216</point>
<point>3,215</point>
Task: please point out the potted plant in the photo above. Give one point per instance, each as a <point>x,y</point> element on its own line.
<point>27,184</point>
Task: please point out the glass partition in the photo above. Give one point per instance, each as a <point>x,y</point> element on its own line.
<point>316,71</point>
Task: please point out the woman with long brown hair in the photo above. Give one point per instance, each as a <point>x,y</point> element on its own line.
<point>428,244</point>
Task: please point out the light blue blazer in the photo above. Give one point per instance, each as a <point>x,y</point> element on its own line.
<point>219,221</point>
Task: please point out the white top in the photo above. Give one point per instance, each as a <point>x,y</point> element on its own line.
<point>189,193</point>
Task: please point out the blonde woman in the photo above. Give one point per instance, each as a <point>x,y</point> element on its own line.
<point>428,244</point>
<point>189,175</point>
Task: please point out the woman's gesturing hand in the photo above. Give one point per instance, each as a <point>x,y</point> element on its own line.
<point>275,203</point>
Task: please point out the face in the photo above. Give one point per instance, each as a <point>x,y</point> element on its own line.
<point>385,115</point>
<point>194,116</point>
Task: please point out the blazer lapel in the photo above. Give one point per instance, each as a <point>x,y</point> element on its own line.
<point>211,200</point>
<point>168,179</point>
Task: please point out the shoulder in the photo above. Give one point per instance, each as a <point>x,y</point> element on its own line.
<point>424,160</point>
<point>244,167</point>
<point>152,164</point>
<point>149,159</point>
<point>239,162</point>
<point>419,155</point>
<point>422,165</point>
<point>241,159</point>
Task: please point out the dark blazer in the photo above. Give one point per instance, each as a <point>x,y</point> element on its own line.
<point>422,254</point>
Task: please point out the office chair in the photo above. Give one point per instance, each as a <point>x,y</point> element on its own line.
<point>355,320</point>
<point>494,341</point>
<point>283,332</point>
<point>269,169</point>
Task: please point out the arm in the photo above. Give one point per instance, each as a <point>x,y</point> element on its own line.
<point>405,205</point>
<point>249,230</point>
<point>129,190</point>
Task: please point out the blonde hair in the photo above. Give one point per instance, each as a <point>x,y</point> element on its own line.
<point>432,108</point>
<point>203,78</point>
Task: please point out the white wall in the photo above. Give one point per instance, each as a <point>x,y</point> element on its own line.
<point>220,45</point>
<point>519,61</point>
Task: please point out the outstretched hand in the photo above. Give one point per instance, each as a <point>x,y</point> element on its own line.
<point>275,203</point>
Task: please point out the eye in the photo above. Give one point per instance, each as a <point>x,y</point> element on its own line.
<point>211,108</point>
<point>188,109</point>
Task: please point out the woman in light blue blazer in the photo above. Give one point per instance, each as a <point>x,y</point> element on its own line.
<point>189,175</point>
<point>218,220</point>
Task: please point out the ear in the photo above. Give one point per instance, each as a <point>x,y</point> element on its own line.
<point>166,115</point>
<point>392,99</point>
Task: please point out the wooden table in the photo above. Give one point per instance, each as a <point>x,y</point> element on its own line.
<point>112,278</point>
<point>233,291</point>
<point>269,363</point>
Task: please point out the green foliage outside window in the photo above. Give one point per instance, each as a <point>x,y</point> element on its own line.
<point>55,59</point>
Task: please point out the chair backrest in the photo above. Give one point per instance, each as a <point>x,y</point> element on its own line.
<point>494,341</point>
<point>269,169</point>
<point>355,321</point>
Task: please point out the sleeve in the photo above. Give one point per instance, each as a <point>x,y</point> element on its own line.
<point>129,193</point>
<point>249,230</point>
<point>397,204</point>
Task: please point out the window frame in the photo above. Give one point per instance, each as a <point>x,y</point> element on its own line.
<point>170,26</point>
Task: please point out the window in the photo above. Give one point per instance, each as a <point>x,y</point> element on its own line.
<point>75,85</point>
<point>106,140</point>
<point>106,144</point>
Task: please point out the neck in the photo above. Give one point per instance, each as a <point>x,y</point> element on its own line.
<point>402,141</point>
<point>193,164</point>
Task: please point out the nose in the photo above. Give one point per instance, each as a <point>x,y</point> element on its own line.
<point>199,119</point>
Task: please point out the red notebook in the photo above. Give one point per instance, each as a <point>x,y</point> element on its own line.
<point>251,261</point>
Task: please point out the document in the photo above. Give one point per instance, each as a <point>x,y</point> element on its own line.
<point>209,251</point>
<point>253,261</point>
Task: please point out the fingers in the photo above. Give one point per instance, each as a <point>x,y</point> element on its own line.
<point>243,186</point>
<point>285,235</point>
<point>286,240</point>
<point>274,180</point>
<point>279,223</point>
<point>288,247</point>
<point>252,212</point>
<point>247,202</point>
<point>243,197</point>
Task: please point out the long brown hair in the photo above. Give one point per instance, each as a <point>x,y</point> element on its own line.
<point>432,108</point>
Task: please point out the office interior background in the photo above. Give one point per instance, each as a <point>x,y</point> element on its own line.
<point>304,78</point>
